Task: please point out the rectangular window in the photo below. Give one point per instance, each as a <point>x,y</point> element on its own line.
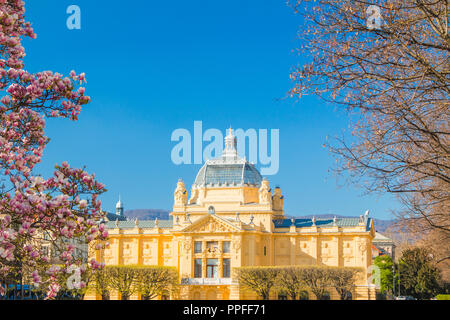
<point>212,246</point>
<point>226,247</point>
<point>226,270</point>
<point>212,268</point>
<point>197,247</point>
<point>197,268</point>
<point>265,252</point>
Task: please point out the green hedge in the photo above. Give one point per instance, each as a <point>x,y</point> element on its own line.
<point>443,297</point>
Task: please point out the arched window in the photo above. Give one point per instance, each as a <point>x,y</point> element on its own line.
<point>211,210</point>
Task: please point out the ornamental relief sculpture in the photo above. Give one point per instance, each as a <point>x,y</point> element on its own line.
<point>265,193</point>
<point>362,248</point>
<point>277,199</point>
<point>187,245</point>
<point>236,245</point>
<point>212,227</point>
<point>213,253</point>
<point>194,196</point>
<point>180,194</point>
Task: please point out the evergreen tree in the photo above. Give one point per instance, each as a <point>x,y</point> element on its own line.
<point>419,276</point>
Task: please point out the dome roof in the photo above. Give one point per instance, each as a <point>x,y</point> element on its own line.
<point>229,170</point>
<point>227,174</point>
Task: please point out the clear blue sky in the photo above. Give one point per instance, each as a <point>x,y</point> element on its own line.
<point>155,66</point>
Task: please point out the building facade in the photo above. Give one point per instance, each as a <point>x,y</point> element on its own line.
<point>383,245</point>
<point>233,218</point>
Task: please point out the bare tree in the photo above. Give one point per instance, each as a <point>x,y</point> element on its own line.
<point>318,279</point>
<point>388,65</point>
<point>343,280</point>
<point>123,279</point>
<point>290,280</point>
<point>439,244</point>
<point>102,284</point>
<point>257,279</point>
<point>155,280</point>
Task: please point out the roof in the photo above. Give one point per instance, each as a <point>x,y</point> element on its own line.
<point>229,170</point>
<point>228,174</point>
<point>377,249</point>
<point>141,224</point>
<point>381,238</point>
<point>321,223</point>
<point>114,217</point>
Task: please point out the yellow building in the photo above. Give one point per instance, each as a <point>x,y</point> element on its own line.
<point>233,218</point>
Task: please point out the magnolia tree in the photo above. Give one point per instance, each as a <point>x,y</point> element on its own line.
<point>64,206</point>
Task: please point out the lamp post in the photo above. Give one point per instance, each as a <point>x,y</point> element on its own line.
<point>393,280</point>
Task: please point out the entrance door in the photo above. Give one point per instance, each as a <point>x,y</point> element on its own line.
<point>212,268</point>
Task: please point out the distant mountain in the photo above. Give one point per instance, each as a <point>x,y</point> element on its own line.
<point>379,224</point>
<point>382,225</point>
<point>147,214</point>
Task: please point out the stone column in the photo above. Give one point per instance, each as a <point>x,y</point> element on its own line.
<point>251,249</point>
<point>119,251</point>
<point>204,266</point>
<point>293,247</point>
<point>315,248</point>
<point>338,245</point>
<point>185,258</point>
<point>220,258</point>
<point>136,250</point>
<point>272,251</point>
<point>159,245</point>
<point>139,250</point>
<point>236,251</point>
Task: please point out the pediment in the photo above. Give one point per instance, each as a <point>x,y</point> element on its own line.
<point>211,223</point>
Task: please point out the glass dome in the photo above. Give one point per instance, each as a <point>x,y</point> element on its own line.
<point>228,174</point>
<point>228,170</point>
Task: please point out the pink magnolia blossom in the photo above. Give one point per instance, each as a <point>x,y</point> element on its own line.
<point>63,205</point>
